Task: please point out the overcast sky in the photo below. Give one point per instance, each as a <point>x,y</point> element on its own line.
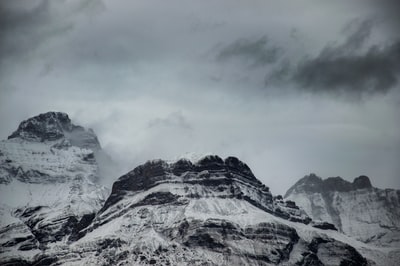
<point>289,87</point>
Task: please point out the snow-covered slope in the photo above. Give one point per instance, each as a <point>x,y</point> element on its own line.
<point>48,181</point>
<point>359,210</point>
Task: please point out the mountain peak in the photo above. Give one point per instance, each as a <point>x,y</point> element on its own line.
<point>53,126</point>
<point>313,183</point>
<point>225,176</point>
<point>362,182</point>
<point>46,126</point>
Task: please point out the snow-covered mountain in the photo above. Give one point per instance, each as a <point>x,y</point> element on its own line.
<point>49,180</point>
<point>356,208</point>
<point>208,211</point>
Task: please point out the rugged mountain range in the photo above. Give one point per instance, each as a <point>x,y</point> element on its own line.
<point>213,211</point>
<point>358,209</point>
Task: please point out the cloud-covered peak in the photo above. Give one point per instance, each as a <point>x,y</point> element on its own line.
<point>53,126</point>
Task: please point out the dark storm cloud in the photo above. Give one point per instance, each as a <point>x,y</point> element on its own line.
<point>348,68</point>
<point>376,71</point>
<point>21,28</point>
<point>358,33</point>
<point>390,10</point>
<point>256,52</point>
<point>25,26</point>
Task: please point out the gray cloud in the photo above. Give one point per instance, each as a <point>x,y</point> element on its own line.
<point>124,68</point>
<point>376,71</point>
<point>358,32</point>
<point>388,11</point>
<point>175,119</point>
<point>346,69</point>
<point>257,53</point>
<point>26,26</point>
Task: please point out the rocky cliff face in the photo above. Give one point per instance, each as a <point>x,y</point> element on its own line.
<point>356,208</point>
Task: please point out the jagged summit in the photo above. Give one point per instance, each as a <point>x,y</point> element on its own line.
<point>46,126</point>
<point>313,183</point>
<point>362,182</point>
<point>209,171</point>
<point>53,126</point>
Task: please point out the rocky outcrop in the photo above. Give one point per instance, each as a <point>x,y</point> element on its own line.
<point>329,252</point>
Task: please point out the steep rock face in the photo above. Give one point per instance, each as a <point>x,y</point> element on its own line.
<point>357,209</point>
<point>210,176</point>
<point>48,181</point>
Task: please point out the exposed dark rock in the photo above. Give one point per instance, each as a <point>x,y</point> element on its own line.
<point>15,262</point>
<point>210,163</point>
<point>324,248</point>
<point>26,213</point>
<point>157,199</point>
<point>44,261</point>
<point>220,236</point>
<point>109,243</point>
<point>291,204</point>
<point>233,164</point>
<point>152,173</point>
<point>16,241</point>
<point>204,240</point>
<point>324,226</point>
<point>47,126</point>
<point>89,157</point>
<point>278,197</point>
<point>362,182</point>
<point>28,246</point>
<point>47,230</point>
<point>82,224</point>
<point>52,126</point>
<point>310,259</point>
<point>182,166</point>
<point>313,183</point>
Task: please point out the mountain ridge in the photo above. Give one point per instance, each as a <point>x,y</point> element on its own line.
<point>211,211</point>
<point>314,183</point>
<point>356,208</point>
